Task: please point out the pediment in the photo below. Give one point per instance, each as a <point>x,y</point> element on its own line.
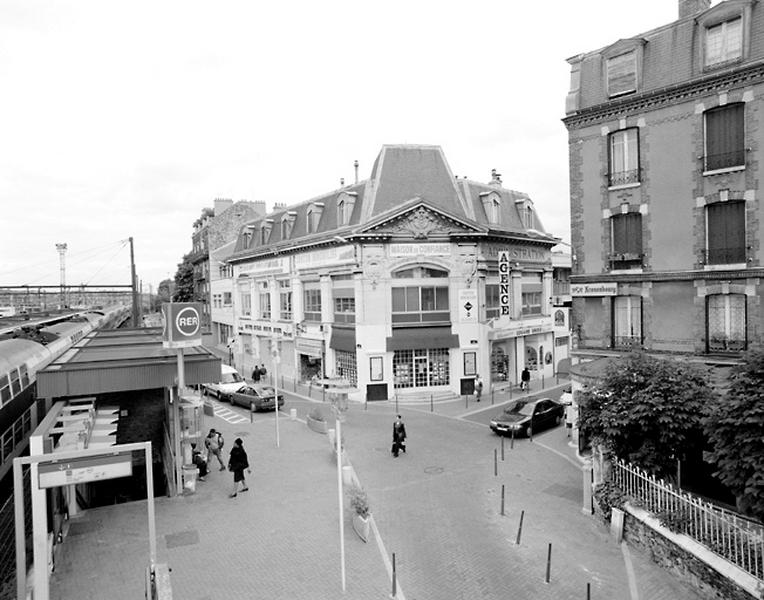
<point>420,222</point>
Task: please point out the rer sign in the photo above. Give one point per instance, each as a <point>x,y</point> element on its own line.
<point>182,324</point>
<point>504,283</point>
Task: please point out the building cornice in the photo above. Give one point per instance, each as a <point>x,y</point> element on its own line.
<point>732,77</point>
<point>667,276</point>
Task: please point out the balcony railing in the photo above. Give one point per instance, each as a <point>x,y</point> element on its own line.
<point>725,256</point>
<point>624,177</point>
<point>625,260</point>
<point>725,160</point>
<point>627,342</point>
<point>724,344</point>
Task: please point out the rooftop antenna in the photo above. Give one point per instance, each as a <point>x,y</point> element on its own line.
<point>62,255</point>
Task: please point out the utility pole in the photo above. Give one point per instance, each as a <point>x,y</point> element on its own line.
<point>132,283</point>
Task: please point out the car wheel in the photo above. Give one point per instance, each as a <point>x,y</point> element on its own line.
<point>558,419</point>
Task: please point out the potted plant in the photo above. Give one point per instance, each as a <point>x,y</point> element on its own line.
<point>359,502</point>
<point>316,420</point>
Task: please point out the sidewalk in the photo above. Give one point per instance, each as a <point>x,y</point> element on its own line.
<point>278,540</point>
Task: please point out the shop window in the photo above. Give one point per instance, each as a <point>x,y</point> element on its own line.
<point>345,366</point>
<point>726,322</point>
<point>421,368</point>
<point>531,358</point>
<point>499,365</point>
<point>627,322</point>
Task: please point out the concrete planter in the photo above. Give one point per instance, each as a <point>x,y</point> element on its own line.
<point>361,526</point>
<point>316,425</point>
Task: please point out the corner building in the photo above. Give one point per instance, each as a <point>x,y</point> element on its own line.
<point>665,144</point>
<point>393,283</point>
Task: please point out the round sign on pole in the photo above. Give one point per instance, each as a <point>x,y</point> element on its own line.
<point>187,321</point>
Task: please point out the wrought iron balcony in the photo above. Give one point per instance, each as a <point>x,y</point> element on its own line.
<point>627,342</point>
<point>725,160</point>
<point>725,256</point>
<point>625,260</point>
<point>724,344</point>
<point>624,177</point>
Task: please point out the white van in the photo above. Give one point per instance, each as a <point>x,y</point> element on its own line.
<point>230,382</point>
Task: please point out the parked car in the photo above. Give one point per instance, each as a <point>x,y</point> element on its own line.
<point>261,395</point>
<point>230,382</point>
<point>522,416</point>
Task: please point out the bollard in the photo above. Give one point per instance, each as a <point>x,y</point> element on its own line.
<point>294,385</point>
<point>495,464</point>
<point>548,561</point>
<point>502,499</point>
<point>588,591</point>
<point>520,528</point>
<point>542,381</point>
<point>251,411</point>
<point>512,441</point>
<point>491,397</point>
<point>530,432</point>
<point>465,400</point>
<point>282,382</point>
<point>431,405</point>
<point>395,591</point>
<point>502,448</point>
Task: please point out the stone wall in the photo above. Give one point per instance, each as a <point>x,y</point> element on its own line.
<point>709,583</point>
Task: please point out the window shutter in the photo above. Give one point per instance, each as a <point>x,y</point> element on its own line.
<point>622,74</point>
<point>724,136</point>
<point>633,233</point>
<point>734,231</point>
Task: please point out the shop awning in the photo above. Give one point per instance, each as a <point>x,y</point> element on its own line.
<point>343,338</point>
<point>416,338</point>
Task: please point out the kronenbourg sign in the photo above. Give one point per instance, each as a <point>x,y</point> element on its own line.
<point>181,324</point>
<point>504,283</point>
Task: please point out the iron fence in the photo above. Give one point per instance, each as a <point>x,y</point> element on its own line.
<point>727,534</point>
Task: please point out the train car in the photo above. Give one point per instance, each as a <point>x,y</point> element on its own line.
<point>20,360</point>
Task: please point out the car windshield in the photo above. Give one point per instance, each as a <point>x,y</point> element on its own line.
<point>231,378</point>
<point>520,408</point>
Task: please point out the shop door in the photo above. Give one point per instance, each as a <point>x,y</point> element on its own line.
<point>420,371</point>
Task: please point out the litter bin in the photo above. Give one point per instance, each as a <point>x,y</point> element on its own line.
<point>190,473</point>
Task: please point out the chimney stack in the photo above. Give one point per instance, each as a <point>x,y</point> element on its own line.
<point>342,182</point>
<point>687,8</point>
<point>355,166</point>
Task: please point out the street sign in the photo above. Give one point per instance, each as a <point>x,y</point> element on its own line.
<point>181,324</point>
<point>504,283</point>
<point>83,470</point>
<point>468,303</point>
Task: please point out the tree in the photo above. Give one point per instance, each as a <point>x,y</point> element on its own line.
<point>164,291</point>
<point>648,411</point>
<point>184,281</point>
<point>735,429</point>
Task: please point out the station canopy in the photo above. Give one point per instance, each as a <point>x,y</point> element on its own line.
<point>120,360</point>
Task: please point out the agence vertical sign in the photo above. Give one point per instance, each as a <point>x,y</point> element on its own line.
<point>504,283</point>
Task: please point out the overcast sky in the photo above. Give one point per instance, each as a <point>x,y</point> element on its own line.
<point>122,119</point>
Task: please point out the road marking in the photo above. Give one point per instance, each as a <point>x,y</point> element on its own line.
<point>558,453</point>
<point>630,572</point>
<point>228,415</point>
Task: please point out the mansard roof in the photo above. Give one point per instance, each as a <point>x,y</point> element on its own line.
<point>411,192</point>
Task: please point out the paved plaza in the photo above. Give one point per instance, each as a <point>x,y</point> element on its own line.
<point>437,507</point>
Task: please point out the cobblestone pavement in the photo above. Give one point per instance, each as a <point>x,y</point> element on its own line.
<point>437,507</point>
<point>278,540</point>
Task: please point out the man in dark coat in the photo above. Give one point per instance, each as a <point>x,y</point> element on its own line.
<point>237,463</point>
<point>525,378</point>
<point>399,436</point>
<point>256,374</point>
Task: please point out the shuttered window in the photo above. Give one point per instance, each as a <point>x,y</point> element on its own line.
<point>622,74</point>
<point>626,240</point>
<point>726,232</point>
<point>725,137</point>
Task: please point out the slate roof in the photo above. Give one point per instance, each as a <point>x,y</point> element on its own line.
<point>402,176</point>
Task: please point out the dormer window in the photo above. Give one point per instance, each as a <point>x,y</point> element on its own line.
<point>345,204</point>
<point>248,234</point>
<point>529,221</point>
<point>724,42</point>
<point>314,216</point>
<point>265,232</point>
<point>622,74</point>
<point>287,223</point>
<point>492,207</point>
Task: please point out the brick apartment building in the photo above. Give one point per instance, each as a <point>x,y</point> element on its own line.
<point>665,139</point>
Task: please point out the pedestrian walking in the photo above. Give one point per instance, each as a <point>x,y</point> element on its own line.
<point>256,374</point>
<point>214,443</point>
<point>525,378</point>
<point>478,387</point>
<point>399,436</point>
<point>237,462</point>
<point>263,372</point>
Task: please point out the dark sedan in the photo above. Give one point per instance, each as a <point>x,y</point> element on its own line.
<point>259,395</point>
<point>525,417</point>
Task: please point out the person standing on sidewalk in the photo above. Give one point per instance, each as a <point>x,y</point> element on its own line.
<point>237,462</point>
<point>214,444</point>
<point>525,378</point>
<point>399,436</point>
<point>478,387</point>
<point>256,374</point>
